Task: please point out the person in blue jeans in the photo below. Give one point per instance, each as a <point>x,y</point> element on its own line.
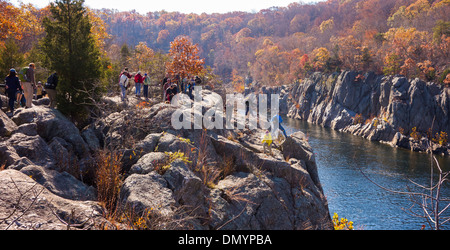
<point>146,85</point>
<point>123,83</point>
<point>12,88</point>
<point>138,80</point>
<point>280,120</point>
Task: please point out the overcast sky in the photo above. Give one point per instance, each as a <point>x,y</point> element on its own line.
<point>183,6</point>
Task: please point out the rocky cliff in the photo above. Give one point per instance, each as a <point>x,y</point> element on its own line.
<point>403,112</point>
<point>170,179</point>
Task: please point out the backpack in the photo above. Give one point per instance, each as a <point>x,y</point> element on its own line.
<point>123,80</point>
<point>52,82</point>
<point>23,74</point>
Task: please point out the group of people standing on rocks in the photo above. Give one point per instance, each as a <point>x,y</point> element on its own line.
<point>140,81</point>
<point>170,86</point>
<point>21,87</point>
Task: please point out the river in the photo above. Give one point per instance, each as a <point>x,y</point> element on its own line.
<point>340,159</point>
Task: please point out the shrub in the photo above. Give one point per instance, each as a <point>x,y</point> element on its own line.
<point>441,138</point>
<point>415,135</point>
<point>358,119</point>
<point>342,223</point>
<point>173,156</point>
<point>108,178</point>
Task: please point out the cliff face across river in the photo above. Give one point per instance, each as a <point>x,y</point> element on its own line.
<point>407,113</point>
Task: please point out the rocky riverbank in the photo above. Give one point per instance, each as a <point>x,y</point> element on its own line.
<point>169,179</point>
<point>401,112</point>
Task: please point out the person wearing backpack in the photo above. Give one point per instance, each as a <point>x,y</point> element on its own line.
<point>12,88</point>
<point>50,88</point>
<point>29,85</point>
<point>123,83</point>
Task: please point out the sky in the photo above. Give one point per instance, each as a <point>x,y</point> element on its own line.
<point>182,6</point>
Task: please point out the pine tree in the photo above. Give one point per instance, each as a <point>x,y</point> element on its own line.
<point>70,50</point>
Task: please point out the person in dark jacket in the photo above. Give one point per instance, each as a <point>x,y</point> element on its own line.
<point>50,88</point>
<point>171,92</point>
<point>12,88</point>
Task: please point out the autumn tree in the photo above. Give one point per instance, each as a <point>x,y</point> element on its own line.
<point>442,29</point>
<point>185,58</point>
<point>237,82</point>
<point>392,63</point>
<point>162,36</point>
<point>70,50</point>
<point>11,23</point>
<point>320,57</point>
<point>98,29</point>
<point>142,57</point>
<point>369,35</point>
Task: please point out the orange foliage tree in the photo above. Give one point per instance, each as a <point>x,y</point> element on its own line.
<point>19,22</point>
<point>185,58</point>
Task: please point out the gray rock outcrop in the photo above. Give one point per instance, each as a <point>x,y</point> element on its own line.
<point>182,179</point>
<point>373,106</point>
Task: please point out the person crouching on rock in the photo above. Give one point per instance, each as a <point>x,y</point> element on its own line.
<point>267,142</point>
<point>39,90</point>
<point>12,88</point>
<point>171,92</point>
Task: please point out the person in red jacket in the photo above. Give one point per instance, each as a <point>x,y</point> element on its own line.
<point>138,80</point>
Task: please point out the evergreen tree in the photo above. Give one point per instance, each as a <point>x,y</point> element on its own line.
<point>70,50</point>
<point>125,55</point>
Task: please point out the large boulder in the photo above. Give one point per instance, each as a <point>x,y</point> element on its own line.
<point>8,155</point>
<point>143,147</point>
<point>7,127</point>
<point>27,205</point>
<point>32,147</point>
<point>242,201</point>
<point>188,189</point>
<point>61,184</point>
<point>149,162</point>
<point>51,123</point>
<point>296,146</point>
<point>141,193</point>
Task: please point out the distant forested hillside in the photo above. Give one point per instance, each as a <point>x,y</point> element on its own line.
<point>279,45</point>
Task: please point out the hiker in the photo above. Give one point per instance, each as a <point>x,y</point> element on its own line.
<point>12,88</point>
<point>21,101</point>
<point>165,87</point>
<point>50,88</point>
<point>190,88</point>
<point>171,92</point>
<point>146,85</point>
<point>198,81</point>
<point>123,83</point>
<point>29,84</point>
<point>183,85</point>
<point>138,80</point>
<point>267,142</point>
<point>280,127</point>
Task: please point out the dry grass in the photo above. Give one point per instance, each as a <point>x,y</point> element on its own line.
<point>108,178</point>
